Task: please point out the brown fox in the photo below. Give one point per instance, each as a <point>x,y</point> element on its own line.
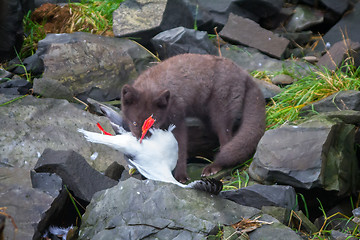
<point>212,88</point>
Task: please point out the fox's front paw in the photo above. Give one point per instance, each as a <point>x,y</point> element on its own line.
<point>211,170</point>
<point>181,177</point>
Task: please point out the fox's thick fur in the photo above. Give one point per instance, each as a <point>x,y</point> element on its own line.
<point>211,88</point>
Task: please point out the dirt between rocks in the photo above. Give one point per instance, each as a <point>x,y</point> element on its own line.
<point>64,19</point>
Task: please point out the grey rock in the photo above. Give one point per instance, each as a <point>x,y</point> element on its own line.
<point>338,235</point>
<point>347,27</point>
<point>51,88</point>
<point>114,171</point>
<point>249,33</point>
<point>282,79</point>
<point>259,195</point>
<point>29,125</point>
<point>343,100</point>
<point>251,59</point>
<point>182,40</point>
<point>337,6</point>
<point>304,18</point>
<point>25,204</point>
<point>280,213</point>
<point>306,224</point>
<point>137,16</point>
<point>262,8</point>
<point>297,38</point>
<point>356,212</point>
<point>268,90</point>
<point>68,164</point>
<point>318,153</point>
<point>15,87</point>
<point>142,19</point>
<point>148,210</point>
<point>5,75</point>
<point>83,61</point>
<point>47,182</point>
<point>213,13</point>
<point>32,64</point>
<point>345,51</point>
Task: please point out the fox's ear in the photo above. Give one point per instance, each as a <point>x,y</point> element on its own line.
<point>162,100</point>
<point>129,95</point>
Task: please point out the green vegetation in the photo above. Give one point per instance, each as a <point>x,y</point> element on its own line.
<point>94,16</point>
<point>318,84</point>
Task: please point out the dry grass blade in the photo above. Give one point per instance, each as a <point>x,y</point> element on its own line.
<point>249,225</point>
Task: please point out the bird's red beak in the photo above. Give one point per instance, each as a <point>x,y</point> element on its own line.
<point>102,130</point>
<point>146,126</point>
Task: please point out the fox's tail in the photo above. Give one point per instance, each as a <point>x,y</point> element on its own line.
<point>251,129</point>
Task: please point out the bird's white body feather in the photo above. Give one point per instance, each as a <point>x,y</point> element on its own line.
<point>155,157</point>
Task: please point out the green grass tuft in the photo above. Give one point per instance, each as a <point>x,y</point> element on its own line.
<point>285,107</point>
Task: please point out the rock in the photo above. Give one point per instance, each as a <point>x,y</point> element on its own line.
<point>50,88</point>
<point>15,87</point>
<point>259,195</point>
<point>249,33</point>
<point>142,19</point>
<point>138,16</point>
<point>5,75</point>
<point>347,27</point>
<point>25,204</point>
<point>343,206</point>
<point>268,90</point>
<point>32,64</point>
<point>46,182</point>
<point>343,100</point>
<point>114,171</point>
<point>282,79</point>
<point>304,18</point>
<point>297,38</point>
<point>251,59</point>
<point>83,61</point>
<point>337,6</point>
<point>213,13</point>
<point>68,164</point>
<point>341,53</point>
<point>306,224</point>
<point>318,153</point>
<point>262,8</point>
<point>311,59</point>
<point>147,209</point>
<point>29,125</point>
<point>182,40</point>
<point>338,235</point>
<point>280,213</point>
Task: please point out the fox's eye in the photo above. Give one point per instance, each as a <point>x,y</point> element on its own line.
<point>135,124</point>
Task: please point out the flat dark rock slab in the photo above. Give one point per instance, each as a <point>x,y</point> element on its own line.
<point>247,32</point>
<point>347,26</point>
<point>75,172</point>
<point>339,52</point>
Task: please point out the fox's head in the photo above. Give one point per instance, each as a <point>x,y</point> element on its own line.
<point>138,105</point>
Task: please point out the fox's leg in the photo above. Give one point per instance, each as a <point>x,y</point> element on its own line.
<point>180,133</point>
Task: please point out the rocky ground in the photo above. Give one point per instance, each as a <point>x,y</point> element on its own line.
<point>46,164</point>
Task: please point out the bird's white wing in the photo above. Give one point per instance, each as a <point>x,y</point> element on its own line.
<point>125,143</point>
<point>155,172</point>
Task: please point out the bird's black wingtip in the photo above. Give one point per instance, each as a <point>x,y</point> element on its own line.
<point>210,185</point>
